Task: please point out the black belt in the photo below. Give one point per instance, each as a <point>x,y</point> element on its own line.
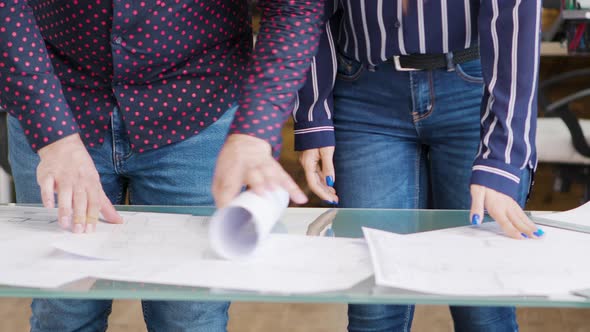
<point>434,61</point>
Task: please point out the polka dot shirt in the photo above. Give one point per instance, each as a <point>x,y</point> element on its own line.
<point>172,67</point>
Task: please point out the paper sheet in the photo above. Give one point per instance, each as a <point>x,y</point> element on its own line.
<point>575,219</point>
<point>26,254</point>
<point>480,261</point>
<point>284,264</point>
<point>170,249</point>
<point>237,230</point>
<point>142,236</point>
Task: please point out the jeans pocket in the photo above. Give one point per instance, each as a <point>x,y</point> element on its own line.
<point>470,72</point>
<point>348,69</point>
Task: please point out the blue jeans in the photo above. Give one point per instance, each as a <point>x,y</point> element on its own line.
<point>177,174</point>
<point>408,140</point>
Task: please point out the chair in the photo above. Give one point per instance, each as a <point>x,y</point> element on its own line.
<point>562,138</point>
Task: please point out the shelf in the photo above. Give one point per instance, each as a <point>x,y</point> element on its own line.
<point>569,14</point>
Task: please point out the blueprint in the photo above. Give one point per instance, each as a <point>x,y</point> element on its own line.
<point>238,230</point>
<point>172,249</point>
<point>480,261</point>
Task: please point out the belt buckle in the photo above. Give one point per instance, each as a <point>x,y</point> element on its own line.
<point>399,67</point>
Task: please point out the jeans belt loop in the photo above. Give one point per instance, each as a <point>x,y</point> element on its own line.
<point>398,66</point>
<point>450,62</point>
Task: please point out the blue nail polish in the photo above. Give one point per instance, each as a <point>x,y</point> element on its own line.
<point>524,235</point>
<point>331,203</point>
<point>539,232</point>
<point>475,219</point>
<point>330,181</point>
<point>329,232</point>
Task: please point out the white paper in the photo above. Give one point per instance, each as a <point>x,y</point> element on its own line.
<point>283,264</point>
<point>578,218</point>
<point>480,261</point>
<point>169,249</point>
<point>142,236</point>
<point>237,230</point>
<point>26,255</point>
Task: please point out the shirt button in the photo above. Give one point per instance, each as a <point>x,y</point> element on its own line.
<point>397,25</point>
<point>118,40</point>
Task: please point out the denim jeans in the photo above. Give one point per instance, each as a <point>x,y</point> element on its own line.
<point>408,140</point>
<point>177,174</point>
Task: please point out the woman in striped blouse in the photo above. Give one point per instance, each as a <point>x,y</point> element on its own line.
<point>425,104</point>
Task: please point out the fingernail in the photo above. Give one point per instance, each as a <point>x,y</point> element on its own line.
<point>331,202</point>
<point>329,232</point>
<point>524,235</point>
<point>78,228</point>
<point>330,181</point>
<point>475,219</point>
<point>539,232</point>
<point>65,222</point>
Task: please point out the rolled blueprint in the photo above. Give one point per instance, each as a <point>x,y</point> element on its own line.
<point>237,230</point>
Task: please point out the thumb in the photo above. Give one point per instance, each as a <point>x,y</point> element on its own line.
<point>477,204</point>
<point>108,210</point>
<point>327,157</point>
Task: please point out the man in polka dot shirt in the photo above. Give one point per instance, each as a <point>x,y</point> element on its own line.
<point>115,101</point>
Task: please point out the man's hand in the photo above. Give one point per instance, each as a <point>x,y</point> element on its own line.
<point>67,169</point>
<point>247,160</point>
<point>320,180</point>
<point>505,211</point>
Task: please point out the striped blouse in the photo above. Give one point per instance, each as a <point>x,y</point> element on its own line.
<point>373,31</point>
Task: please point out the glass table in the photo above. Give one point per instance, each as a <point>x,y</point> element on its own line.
<point>310,221</point>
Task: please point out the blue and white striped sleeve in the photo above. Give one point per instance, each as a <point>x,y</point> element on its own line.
<point>509,44</point>
<point>314,107</point>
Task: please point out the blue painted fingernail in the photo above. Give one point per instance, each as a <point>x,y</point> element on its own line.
<point>330,181</point>
<point>475,219</point>
<point>539,232</point>
<point>331,203</point>
<point>329,232</point>
<point>524,235</point>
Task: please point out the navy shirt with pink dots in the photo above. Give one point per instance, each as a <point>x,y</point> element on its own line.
<point>172,67</point>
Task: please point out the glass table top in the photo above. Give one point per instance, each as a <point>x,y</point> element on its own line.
<point>310,221</point>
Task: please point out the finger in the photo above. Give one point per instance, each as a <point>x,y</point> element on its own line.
<point>508,228</point>
<point>108,211</point>
<point>47,185</point>
<point>80,206</point>
<point>64,204</point>
<point>287,183</point>
<point>255,180</point>
<point>92,210</point>
<point>477,204</point>
<point>227,183</point>
<point>313,178</point>
<point>275,171</point>
<point>521,221</point>
<point>327,157</point>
